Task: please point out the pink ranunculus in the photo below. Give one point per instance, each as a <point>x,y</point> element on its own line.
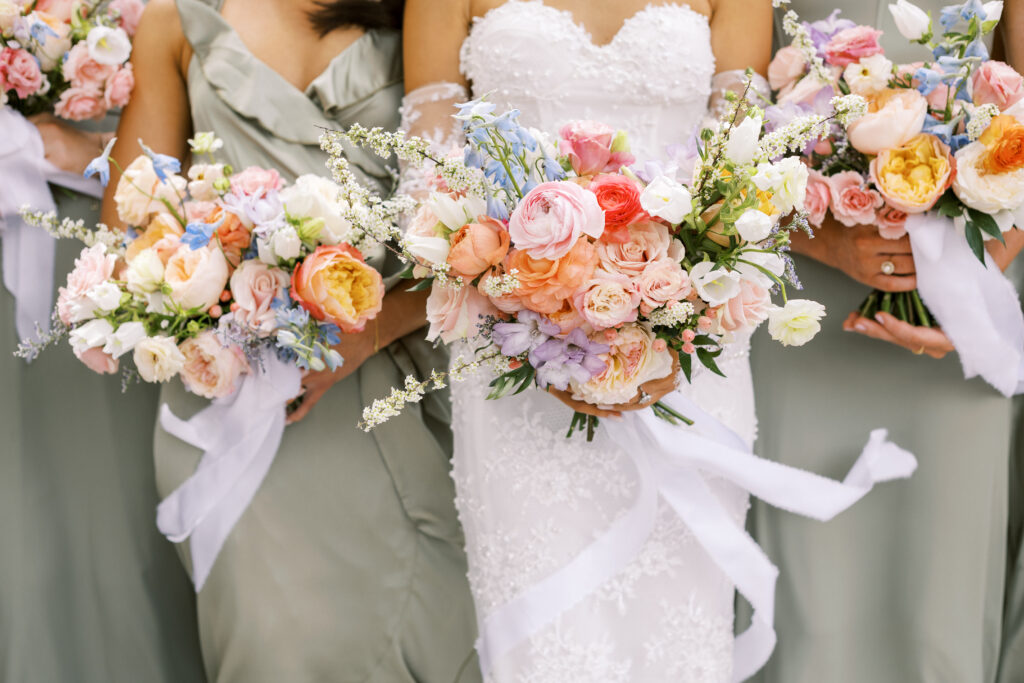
<point>254,286</point>
<point>997,83</point>
<point>453,312</point>
<point>895,117</point>
<point>647,242</point>
<point>892,223</point>
<point>98,361</point>
<point>255,182</point>
<point>663,281</point>
<point>129,14</point>
<point>853,203</point>
<point>588,144</point>
<point>786,67</point>
<point>82,71</point>
<point>853,44</point>
<point>19,71</point>
<point>196,277</point>
<point>819,193</point>
<point>211,368</point>
<point>79,104</point>
<point>119,87</point>
<point>608,300</point>
<point>93,267</point>
<point>746,310</point>
<point>552,217</point>
<point>60,10</point>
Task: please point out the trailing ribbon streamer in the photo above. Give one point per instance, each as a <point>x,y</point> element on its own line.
<point>25,174</point>
<point>673,463</point>
<point>239,436</point>
<point>975,304</point>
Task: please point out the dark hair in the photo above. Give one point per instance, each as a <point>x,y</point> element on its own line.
<point>368,14</point>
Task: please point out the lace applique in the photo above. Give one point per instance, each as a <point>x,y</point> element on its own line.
<point>561,657</point>
<point>427,113</point>
<point>691,645</point>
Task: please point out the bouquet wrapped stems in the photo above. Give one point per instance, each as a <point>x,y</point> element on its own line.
<point>589,423</point>
<point>906,306</point>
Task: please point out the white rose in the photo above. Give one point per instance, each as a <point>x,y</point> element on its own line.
<point>986,192</point>
<point>796,323</point>
<point>106,296</point>
<point>742,144</point>
<point>90,335</point>
<point>667,199</point>
<point>313,196</point>
<point>456,212</point>
<point>912,22</point>
<point>754,225</point>
<point>124,339</point>
<point>715,286</point>
<point>145,272</point>
<point>9,12</point>
<point>201,179</point>
<point>158,359</point>
<point>109,46</point>
<point>868,76</point>
<point>993,10</point>
<point>786,180</point>
<point>749,271</point>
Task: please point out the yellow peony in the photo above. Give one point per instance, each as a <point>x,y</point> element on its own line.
<point>914,175</point>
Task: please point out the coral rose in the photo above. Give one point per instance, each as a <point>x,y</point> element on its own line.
<point>544,284</point>
<point>196,277</point>
<point>997,83</point>
<point>552,217</point>
<point>335,285</point>
<point>619,198</point>
<point>1004,144</point>
<point>476,247</point>
<point>894,116</point>
<point>913,176</point>
<point>852,44</point>
<point>853,203</point>
<point>211,368</point>
<point>233,235</point>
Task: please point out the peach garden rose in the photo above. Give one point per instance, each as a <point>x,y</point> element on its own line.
<point>336,285</point>
<point>913,176</point>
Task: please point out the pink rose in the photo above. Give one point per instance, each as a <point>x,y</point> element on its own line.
<point>999,84</point>
<point>94,266</point>
<point>648,242</point>
<point>129,13</point>
<point>552,217</point>
<point>852,44</point>
<point>663,281</point>
<point>255,181</point>
<point>57,9</point>
<point>853,203</point>
<point>254,286</point>
<point>895,116</point>
<point>892,223</point>
<point>608,300</point>
<point>98,361</point>
<point>79,104</point>
<point>211,368</point>
<point>453,312</point>
<point>819,193</point>
<point>119,87</point>
<point>19,71</point>
<point>746,310</point>
<point>786,67</point>
<point>589,146</point>
<point>196,277</point>
<point>82,71</point>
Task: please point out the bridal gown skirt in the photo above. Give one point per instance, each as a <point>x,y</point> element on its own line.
<point>90,592</point>
<point>907,586</point>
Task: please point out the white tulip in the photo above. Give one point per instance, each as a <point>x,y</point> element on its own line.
<point>754,225</point>
<point>912,22</point>
<point>714,286</point>
<point>455,213</point>
<point>110,46</point>
<point>750,271</point>
<point>667,199</point>
<point>286,243</point>
<point>90,335</point>
<point>742,144</point>
<point>796,323</point>
<point>428,249</point>
<point>106,296</point>
<point>125,339</point>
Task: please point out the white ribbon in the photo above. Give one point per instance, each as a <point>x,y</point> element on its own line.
<point>28,251</point>
<point>976,306</point>
<point>239,436</point>
<point>673,462</point>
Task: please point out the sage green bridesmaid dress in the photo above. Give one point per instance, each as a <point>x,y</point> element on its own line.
<point>907,586</point>
<point>90,592</point>
<point>348,564</point>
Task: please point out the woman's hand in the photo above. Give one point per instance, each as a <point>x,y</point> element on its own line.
<point>355,349</point>
<point>860,252</point>
<point>656,390</point>
<point>919,340</point>
<point>67,147</point>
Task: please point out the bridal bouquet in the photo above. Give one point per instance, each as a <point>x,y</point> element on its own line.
<point>943,135</point>
<point>217,269</point>
<point>68,58</point>
<point>560,266</point>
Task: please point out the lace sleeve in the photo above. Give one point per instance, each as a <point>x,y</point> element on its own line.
<point>735,81</point>
<point>427,113</point>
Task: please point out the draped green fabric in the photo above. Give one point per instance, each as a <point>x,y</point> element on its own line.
<point>348,564</point>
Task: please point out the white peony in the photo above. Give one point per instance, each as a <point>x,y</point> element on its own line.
<point>158,359</point>
<point>796,323</point>
<point>106,296</point>
<point>786,180</point>
<point>456,212</point>
<point>912,22</point>
<point>754,225</point>
<point>125,339</point>
<point>145,272</point>
<point>312,196</point>
<point>110,46</point>
<point>987,192</point>
<point>741,146</point>
<point>92,334</point>
<point>667,199</point>
<point>715,286</point>
<point>868,76</point>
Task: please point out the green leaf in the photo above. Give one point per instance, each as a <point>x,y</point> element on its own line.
<point>686,363</point>
<point>708,359</point>
<point>949,206</point>
<point>421,285</point>
<point>986,223</point>
<point>975,241</point>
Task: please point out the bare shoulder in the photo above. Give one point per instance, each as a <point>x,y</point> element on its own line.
<point>161,33</point>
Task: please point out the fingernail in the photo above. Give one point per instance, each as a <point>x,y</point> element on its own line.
<point>879,317</point>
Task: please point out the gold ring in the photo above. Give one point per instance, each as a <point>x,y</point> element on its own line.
<point>919,352</point>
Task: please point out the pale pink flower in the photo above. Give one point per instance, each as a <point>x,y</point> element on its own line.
<point>93,267</point>
<point>662,282</point>
<point>817,200</point>
<point>255,181</point>
<point>892,223</point>
<point>608,300</point>
<point>19,71</point>
<point>552,217</point>
<point>79,104</point>
<point>211,368</point>
<point>853,44</point>
<point>746,310</point>
<point>254,286</point>
<point>853,202</point>
<point>119,87</point>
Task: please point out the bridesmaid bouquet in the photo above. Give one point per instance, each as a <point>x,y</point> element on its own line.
<point>562,267</point>
<point>943,135</point>
<point>216,269</point>
<point>68,58</point>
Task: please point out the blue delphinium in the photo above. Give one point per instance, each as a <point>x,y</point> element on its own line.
<point>101,164</point>
<point>162,163</point>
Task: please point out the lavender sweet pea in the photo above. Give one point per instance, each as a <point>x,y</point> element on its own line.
<point>531,330</point>
<point>559,361</point>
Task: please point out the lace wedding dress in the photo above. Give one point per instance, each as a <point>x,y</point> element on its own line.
<point>530,499</point>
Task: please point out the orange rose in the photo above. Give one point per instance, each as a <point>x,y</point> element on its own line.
<point>1004,140</point>
<point>234,237</point>
<point>335,285</point>
<point>163,225</point>
<point>545,284</point>
<point>478,246</point>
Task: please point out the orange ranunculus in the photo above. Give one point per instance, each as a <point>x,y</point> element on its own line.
<point>163,225</point>
<point>544,284</point>
<point>335,285</point>
<point>477,246</point>
<point>914,175</point>
<point>232,234</point>
<point>1004,140</point>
